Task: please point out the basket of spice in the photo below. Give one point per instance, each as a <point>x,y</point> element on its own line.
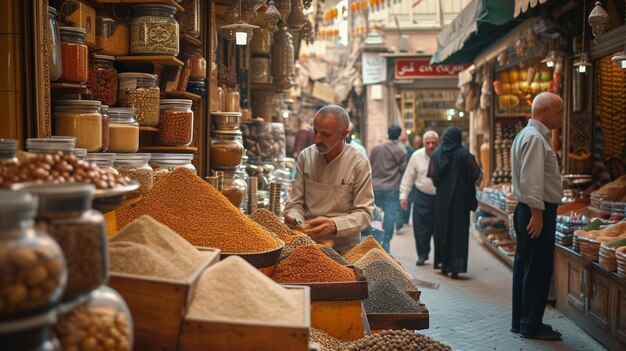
<point>620,258</point>
<point>156,270</point>
<point>590,241</point>
<point>607,257</point>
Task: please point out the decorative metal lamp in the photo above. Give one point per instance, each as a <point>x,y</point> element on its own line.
<point>584,62</point>
<point>272,16</point>
<point>598,20</point>
<point>239,30</point>
<point>622,57</point>
<point>552,58</point>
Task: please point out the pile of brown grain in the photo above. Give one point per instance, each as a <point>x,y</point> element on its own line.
<point>266,219</point>
<point>310,265</point>
<point>199,213</point>
<point>147,247</point>
<point>362,248</point>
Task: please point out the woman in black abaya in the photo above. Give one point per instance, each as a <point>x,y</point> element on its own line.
<point>454,172</point>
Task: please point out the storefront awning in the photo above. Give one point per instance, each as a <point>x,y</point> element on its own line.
<point>476,27</point>
<point>522,6</point>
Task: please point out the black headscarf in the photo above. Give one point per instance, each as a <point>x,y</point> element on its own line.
<point>450,141</point>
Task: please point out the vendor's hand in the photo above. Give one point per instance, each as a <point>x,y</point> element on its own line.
<point>536,224</point>
<point>403,204</point>
<point>290,222</point>
<point>321,227</point>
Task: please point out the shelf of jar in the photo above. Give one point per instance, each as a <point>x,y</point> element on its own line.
<point>168,148</point>
<point>269,87</point>
<point>190,40</point>
<point>181,95</point>
<point>148,129</point>
<point>69,87</point>
<point>133,2</point>
<point>163,60</point>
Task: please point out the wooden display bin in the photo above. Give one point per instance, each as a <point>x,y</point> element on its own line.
<point>223,335</point>
<point>335,291</point>
<point>158,305</point>
<point>411,321</point>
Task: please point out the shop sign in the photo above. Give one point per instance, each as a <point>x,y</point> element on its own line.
<point>324,92</point>
<point>374,68</point>
<point>421,68</point>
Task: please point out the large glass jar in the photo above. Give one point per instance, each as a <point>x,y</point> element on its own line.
<point>123,130</point>
<point>258,139</point>
<point>104,112</point>
<point>103,160</point>
<point>101,321</point>
<point>112,32</point>
<point>234,187</point>
<point>54,46</point>
<point>8,149</point>
<point>81,119</point>
<point>163,164</point>
<point>81,154</point>
<point>136,167</point>
<point>30,333</point>
<point>189,20</point>
<point>65,213</point>
<point>75,55</point>
<point>176,122</point>
<point>225,150</point>
<point>51,145</point>
<point>32,266</point>
<point>196,64</point>
<point>140,91</point>
<point>103,79</point>
<point>154,30</point>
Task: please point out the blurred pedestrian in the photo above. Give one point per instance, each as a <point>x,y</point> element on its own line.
<point>454,172</point>
<point>405,213</point>
<point>388,160</point>
<point>417,142</point>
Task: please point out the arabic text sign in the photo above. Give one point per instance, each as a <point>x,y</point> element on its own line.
<point>421,68</point>
<point>374,68</point>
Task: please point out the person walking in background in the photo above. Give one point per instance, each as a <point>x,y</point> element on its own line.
<point>405,212</point>
<point>354,142</point>
<point>415,177</point>
<point>454,172</point>
<point>388,160</point>
<point>537,186</point>
<point>417,142</point>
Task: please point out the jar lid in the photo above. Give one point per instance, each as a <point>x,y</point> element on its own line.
<point>121,112</point>
<point>104,57</point>
<point>226,114</point>
<point>100,156</point>
<point>60,198</point>
<point>163,156</point>
<point>176,102</point>
<point>50,144</point>
<point>80,153</point>
<point>73,31</point>
<point>104,108</point>
<point>8,145</point>
<point>199,83</point>
<point>46,319</point>
<point>125,157</point>
<point>52,11</point>
<point>77,103</point>
<point>12,202</point>
<point>136,75</point>
<point>233,133</point>
<point>143,7</point>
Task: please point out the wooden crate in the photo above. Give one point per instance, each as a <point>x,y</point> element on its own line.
<point>158,305</point>
<point>334,291</point>
<point>411,321</point>
<point>208,334</point>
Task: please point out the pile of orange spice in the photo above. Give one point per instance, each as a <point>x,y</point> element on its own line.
<point>308,264</point>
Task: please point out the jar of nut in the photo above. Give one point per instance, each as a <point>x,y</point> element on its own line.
<point>32,266</point>
<point>235,187</point>
<point>8,149</point>
<point>30,333</point>
<point>80,119</point>
<point>140,91</point>
<point>104,161</point>
<point>65,213</point>
<point>163,164</point>
<point>123,130</point>
<point>103,79</point>
<point>74,55</point>
<point>136,167</point>
<point>101,321</point>
<point>51,145</point>
<point>176,122</point>
<point>226,150</point>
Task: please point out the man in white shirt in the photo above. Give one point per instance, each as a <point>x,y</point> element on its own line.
<point>424,206</point>
<point>332,194</point>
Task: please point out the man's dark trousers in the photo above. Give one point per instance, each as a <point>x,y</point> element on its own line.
<point>532,269</point>
<point>423,222</point>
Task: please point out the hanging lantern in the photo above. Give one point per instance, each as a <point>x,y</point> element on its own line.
<point>584,62</point>
<point>296,19</point>
<point>272,16</point>
<point>284,7</point>
<point>598,20</point>
<point>307,3</point>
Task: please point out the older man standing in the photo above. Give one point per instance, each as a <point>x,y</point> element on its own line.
<point>537,187</point>
<point>424,205</point>
<point>332,193</point>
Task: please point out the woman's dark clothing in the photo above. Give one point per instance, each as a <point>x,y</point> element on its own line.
<point>454,172</point>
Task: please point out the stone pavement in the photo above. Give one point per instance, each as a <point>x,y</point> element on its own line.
<point>474,312</point>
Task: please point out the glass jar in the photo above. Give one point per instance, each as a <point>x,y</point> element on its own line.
<point>101,321</point>
<point>32,266</point>
<point>163,164</point>
<point>51,145</point>
<point>123,130</point>
<point>216,100</point>
<point>258,139</point>
<point>104,161</point>
<point>111,32</point>
<point>8,149</point>
<point>140,91</point>
<point>234,187</point>
<point>31,333</point>
<point>136,167</point>
<point>197,87</point>
<point>278,147</point>
<point>189,20</point>
<point>81,119</point>
<point>65,213</point>
<point>81,154</point>
<point>104,113</point>
<point>154,30</point>
<point>225,150</point>
<point>197,65</point>
<point>74,55</point>
<point>103,79</point>
<point>176,122</point>
<point>54,46</point>
<point>228,121</point>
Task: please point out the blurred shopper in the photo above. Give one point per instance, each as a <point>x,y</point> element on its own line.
<point>405,212</point>
<point>537,186</point>
<point>415,179</point>
<point>388,160</point>
<point>417,142</point>
<point>354,142</point>
<point>454,172</point>
<point>303,137</point>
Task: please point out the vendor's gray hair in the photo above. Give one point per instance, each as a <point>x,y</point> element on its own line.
<point>340,114</point>
<point>429,133</point>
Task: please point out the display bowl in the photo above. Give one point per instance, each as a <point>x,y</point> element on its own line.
<point>577,180</point>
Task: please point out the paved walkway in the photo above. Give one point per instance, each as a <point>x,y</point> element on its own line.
<point>473,313</point>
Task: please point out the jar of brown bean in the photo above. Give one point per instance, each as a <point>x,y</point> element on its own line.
<point>74,55</point>
<point>123,130</point>
<point>80,119</point>
<point>103,79</point>
<point>65,213</point>
<point>136,167</point>
<point>101,321</point>
<point>176,122</point>
<point>140,91</point>
<point>103,161</point>
<point>32,266</point>
<point>225,150</point>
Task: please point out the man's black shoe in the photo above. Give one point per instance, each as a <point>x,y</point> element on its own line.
<point>420,262</point>
<point>544,333</point>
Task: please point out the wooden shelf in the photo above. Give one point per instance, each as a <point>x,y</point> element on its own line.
<point>133,2</point>
<point>163,60</point>
<point>494,210</point>
<point>190,40</point>
<point>148,129</point>
<point>493,248</point>
<point>168,148</point>
<point>269,87</point>
<point>181,95</point>
<point>69,87</point>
